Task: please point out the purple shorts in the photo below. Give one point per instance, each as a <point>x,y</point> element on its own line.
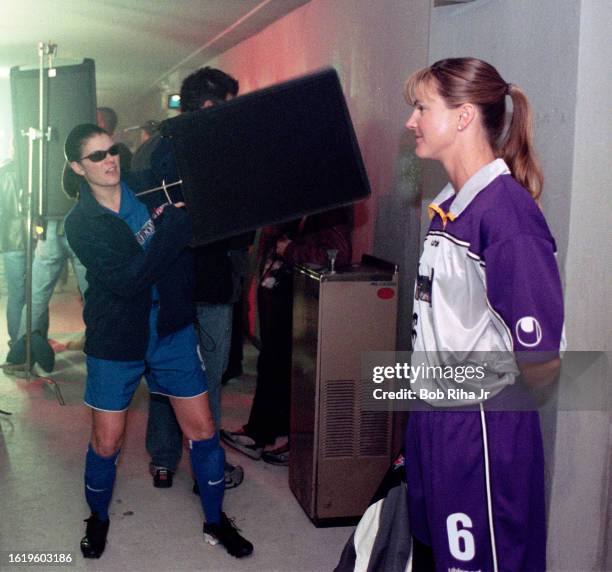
<point>476,489</point>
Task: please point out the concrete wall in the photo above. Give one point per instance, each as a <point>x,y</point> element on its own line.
<point>589,272</point>
<point>582,505</point>
<point>535,46</point>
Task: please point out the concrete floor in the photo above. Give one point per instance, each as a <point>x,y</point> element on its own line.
<point>42,506</point>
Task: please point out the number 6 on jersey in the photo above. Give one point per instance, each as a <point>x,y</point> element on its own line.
<point>457,525</point>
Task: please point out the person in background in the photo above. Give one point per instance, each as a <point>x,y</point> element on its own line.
<point>488,293</point>
<point>239,312</point>
<point>302,241</point>
<point>106,118</point>
<point>13,236</point>
<point>50,257</point>
<point>138,316</point>
<point>148,142</point>
<point>218,273</point>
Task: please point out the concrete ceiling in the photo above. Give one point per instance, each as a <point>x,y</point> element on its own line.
<point>136,44</point>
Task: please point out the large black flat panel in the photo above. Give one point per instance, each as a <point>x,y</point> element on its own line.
<point>69,99</point>
<point>267,157</point>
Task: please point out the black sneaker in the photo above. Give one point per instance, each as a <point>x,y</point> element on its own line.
<point>162,476</point>
<point>231,374</point>
<point>94,541</point>
<point>225,532</point>
<point>234,475</point>
<point>15,369</point>
<point>43,352</point>
<point>242,442</point>
<point>278,456</point>
<point>17,352</point>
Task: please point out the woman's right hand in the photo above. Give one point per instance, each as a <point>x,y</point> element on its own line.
<point>175,218</point>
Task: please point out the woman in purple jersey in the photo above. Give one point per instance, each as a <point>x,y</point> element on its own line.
<point>487,282</point>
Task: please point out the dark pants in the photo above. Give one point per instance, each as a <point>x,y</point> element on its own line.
<point>269,416</point>
<point>236,354</point>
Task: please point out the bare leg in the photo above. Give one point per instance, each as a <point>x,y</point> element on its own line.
<point>194,417</point>
<point>107,431</point>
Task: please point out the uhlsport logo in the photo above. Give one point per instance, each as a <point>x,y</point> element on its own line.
<point>528,331</point>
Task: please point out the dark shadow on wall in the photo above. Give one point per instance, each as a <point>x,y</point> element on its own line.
<point>397,228</point>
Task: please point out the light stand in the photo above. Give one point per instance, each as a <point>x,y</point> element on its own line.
<point>39,135</point>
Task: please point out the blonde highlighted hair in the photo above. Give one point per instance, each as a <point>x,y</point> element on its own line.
<point>470,80</point>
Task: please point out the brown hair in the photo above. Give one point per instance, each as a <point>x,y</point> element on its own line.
<point>470,80</point>
<point>71,181</point>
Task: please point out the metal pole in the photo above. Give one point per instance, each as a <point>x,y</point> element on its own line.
<point>34,134</point>
<point>31,134</point>
<point>41,124</point>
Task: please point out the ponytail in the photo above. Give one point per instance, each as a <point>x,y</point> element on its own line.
<point>517,149</point>
<point>71,181</point>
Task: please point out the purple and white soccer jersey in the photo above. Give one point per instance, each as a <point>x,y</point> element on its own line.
<point>487,282</point>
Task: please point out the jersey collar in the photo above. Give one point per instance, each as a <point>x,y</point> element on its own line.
<point>476,183</point>
<point>90,206</point>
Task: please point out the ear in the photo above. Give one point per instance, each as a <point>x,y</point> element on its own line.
<point>467,112</point>
<point>77,168</point>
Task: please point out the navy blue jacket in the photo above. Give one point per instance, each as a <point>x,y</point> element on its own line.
<point>217,280</point>
<point>120,275</point>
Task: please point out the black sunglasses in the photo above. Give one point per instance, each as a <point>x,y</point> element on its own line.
<point>98,156</point>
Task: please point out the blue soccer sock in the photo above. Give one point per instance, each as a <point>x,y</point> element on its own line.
<point>208,464</point>
<point>99,481</point>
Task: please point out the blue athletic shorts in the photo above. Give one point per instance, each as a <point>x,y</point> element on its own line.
<point>172,367</point>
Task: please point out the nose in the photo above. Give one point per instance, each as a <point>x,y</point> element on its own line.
<point>412,122</point>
